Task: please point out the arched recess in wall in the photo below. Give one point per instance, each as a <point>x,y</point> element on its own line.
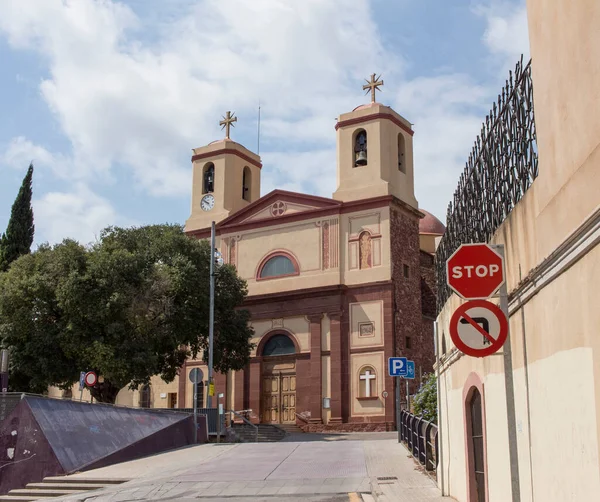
<point>277,343</point>
<point>401,153</point>
<point>443,344</point>
<point>208,178</point>
<point>365,250</point>
<point>145,393</point>
<point>246,183</point>
<point>367,382</point>
<point>359,147</point>
<point>475,439</point>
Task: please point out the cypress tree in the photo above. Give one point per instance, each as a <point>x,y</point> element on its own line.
<point>18,238</point>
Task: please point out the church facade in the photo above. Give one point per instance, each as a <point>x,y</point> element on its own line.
<point>336,285</point>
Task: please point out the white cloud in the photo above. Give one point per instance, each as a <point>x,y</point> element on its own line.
<point>79,214</point>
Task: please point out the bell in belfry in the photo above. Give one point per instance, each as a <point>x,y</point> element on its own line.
<point>361,158</point>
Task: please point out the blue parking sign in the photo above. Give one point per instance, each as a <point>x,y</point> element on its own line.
<point>410,369</point>
<point>82,380</point>
<point>397,366</point>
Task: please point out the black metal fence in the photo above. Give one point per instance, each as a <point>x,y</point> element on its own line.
<point>500,169</point>
<point>211,415</point>
<point>421,439</point>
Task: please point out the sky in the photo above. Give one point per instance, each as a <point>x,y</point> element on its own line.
<point>108,98</point>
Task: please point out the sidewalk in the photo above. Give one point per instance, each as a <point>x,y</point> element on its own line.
<point>333,468</point>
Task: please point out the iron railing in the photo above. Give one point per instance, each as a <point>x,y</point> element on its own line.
<point>241,414</point>
<point>421,439</point>
<point>500,169</point>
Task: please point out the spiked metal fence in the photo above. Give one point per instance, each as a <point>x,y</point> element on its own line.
<point>500,169</point>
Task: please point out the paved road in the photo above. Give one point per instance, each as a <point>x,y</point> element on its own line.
<point>318,468</point>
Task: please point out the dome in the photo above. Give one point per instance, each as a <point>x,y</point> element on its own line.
<point>429,224</point>
<point>362,107</point>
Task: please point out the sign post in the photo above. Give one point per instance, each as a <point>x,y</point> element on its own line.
<point>397,367</point>
<point>196,377</point>
<point>410,375</point>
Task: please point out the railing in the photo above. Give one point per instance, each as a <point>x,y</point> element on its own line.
<point>211,416</point>
<point>421,439</point>
<point>240,414</point>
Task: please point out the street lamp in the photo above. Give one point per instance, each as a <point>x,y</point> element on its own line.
<point>215,259</point>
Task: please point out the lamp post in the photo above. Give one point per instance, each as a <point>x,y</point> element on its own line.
<point>215,259</point>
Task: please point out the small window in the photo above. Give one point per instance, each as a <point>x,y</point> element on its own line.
<point>401,153</point>
<point>208,178</point>
<point>279,345</point>
<point>408,343</point>
<point>367,382</point>
<point>406,271</point>
<point>246,183</point>
<point>145,396</point>
<point>278,266</point>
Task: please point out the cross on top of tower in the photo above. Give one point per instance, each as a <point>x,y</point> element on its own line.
<point>372,86</point>
<point>227,122</point>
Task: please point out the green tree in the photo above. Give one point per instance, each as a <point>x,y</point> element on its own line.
<point>425,400</point>
<point>18,238</point>
<point>132,306</point>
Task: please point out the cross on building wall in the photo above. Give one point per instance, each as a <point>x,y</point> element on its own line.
<point>367,377</point>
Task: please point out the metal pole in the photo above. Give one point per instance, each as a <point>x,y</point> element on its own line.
<point>439,406</point>
<point>398,425</point>
<point>407,398</point>
<point>4,370</point>
<point>195,412</point>
<point>211,314</point>
<point>510,396</point>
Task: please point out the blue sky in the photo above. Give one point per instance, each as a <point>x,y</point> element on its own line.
<point>108,98</point>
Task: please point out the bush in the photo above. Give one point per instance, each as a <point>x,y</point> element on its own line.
<point>425,401</point>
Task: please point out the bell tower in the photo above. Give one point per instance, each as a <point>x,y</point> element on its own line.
<point>225,179</point>
<point>374,152</point>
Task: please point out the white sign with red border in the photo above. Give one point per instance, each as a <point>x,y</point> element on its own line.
<point>90,379</point>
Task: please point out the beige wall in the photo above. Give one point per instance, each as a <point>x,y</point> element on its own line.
<point>298,327</point>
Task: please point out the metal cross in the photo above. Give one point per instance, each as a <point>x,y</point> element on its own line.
<point>227,122</point>
<point>372,86</point>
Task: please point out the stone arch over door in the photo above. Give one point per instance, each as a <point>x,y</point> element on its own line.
<point>278,350</point>
<point>475,439</point>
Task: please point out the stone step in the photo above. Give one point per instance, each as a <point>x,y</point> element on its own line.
<point>65,486</point>
<point>8,498</point>
<point>82,480</point>
<point>46,492</point>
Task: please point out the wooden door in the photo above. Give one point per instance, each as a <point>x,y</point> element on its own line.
<point>279,398</point>
<point>288,399</point>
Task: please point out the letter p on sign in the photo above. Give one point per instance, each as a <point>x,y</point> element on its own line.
<point>397,366</point>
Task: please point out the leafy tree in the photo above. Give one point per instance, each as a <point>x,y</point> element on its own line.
<point>425,400</point>
<point>133,305</point>
<point>19,233</point>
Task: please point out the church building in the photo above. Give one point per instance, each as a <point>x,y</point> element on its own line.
<point>336,285</point>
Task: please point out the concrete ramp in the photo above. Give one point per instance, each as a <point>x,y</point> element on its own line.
<point>52,437</point>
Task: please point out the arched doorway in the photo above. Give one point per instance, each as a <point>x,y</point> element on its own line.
<point>278,400</point>
<point>476,447</point>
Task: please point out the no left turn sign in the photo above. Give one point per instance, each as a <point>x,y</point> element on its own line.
<point>478,328</point>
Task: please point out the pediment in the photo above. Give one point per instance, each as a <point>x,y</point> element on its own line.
<point>279,203</point>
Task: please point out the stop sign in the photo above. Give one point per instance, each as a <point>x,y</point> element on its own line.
<point>475,271</point>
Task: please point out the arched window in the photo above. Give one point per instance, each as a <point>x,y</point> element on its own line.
<point>208,178</point>
<point>277,266</point>
<point>367,382</point>
<point>246,183</point>
<point>401,153</point>
<point>360,148</point>
<point>145,396</point>
<point>279,345</point>
<point>200,395</point>
<point>365,250</point>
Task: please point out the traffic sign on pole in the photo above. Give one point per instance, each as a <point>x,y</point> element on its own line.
<point>90,379</point>
<point>196,375</point>
<point>410,370</point>
<point>478,328</point>
<point>475,271</point>
<point>81,380</point>
<point>397,366</point>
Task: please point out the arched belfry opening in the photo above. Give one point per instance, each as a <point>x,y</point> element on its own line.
<point>401,153</point>
<point>208,178</point>
<point>278,389</point>
<point>360,148</point>
<point>246,183</point>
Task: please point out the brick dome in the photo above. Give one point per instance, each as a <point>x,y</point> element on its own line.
<point>430,224</point>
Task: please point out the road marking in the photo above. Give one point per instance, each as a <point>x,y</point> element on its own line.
<point>354,497</point>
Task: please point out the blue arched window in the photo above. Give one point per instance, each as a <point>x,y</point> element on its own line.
<point>279,345</point>
<point>279,265</point>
